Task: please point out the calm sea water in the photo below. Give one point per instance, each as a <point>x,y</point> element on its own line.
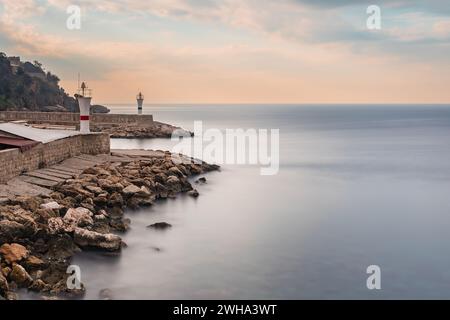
<point>358,185</point>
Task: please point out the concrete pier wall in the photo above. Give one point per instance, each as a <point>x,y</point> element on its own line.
<point>13,162</point>
<point>68,118</point>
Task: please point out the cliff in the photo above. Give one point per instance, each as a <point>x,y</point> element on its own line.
<point>26,86</point>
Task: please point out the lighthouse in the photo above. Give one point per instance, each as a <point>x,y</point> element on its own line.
<point>140,102</point>
<point>84,102</point>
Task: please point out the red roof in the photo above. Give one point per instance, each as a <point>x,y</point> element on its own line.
<point>22,144</point>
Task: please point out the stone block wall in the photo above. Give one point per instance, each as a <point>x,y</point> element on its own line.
<point>68,118</point>
<point>13,162</point>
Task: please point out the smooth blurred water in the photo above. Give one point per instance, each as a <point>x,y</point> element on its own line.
<point>358,185</point>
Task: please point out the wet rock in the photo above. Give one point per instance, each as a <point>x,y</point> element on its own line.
<point>105,294</point>
<point>39,286</point>
<point>201,180</point>
<point>13,252</point>
<point>11,296</point>
<point>121,225</point>
<point>160,226</point>
<point>193,193</point>
<point>20,276</point>
<point>60,247</point>
<point>86,238</point>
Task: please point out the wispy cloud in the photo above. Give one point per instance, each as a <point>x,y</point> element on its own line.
<point>216,46</point>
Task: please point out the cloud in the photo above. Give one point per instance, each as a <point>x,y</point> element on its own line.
<point>312,45</point>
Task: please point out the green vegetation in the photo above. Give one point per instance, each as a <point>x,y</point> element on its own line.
<point>29,87</point>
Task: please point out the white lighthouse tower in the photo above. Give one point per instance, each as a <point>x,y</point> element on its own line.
<point>84,102</point>
<point>140,102</point>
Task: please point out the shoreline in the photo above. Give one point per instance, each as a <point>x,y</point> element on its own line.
<point>40,234</point>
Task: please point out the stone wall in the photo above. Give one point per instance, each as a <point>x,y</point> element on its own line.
<point>69,118</point>
<point>13,162</point>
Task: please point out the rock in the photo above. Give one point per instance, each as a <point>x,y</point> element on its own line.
<point>105,294</point>
<point>144,192</point>
<point>97,171</point>
<point>201,180</point>
<point>57,225</point>
<point>136,201</point>
<point>27,202</point>
<point>121,225</point>
<point>11,230</point>
<point>6,271</point>
<point>39,286</point>
<point>11,296</point>
<point>13,252</point>
<point>94,189</point>
<point>115,200</point>
<point>97,108</point>
<point>131,190</point>
<point>160,225</point>
<point>33,262</point>
<point>60,247</point>
<point>88,206</point>
<point>109,186</point>
<point>172,180</point>
<point>20,276</point>
<point>193,193</point>
<point>79,217</point>
<point>57,195</point>
<point>100,217</point>
<point>175,171</point>
<point>51,205</point>
<point>4,287</point>
<point>86,238</point>
<point>101,200</point>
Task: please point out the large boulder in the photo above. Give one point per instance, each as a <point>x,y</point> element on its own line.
<point>86,238</point>
<point>13,252</point>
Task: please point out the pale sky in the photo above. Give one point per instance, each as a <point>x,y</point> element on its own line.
<point>238,51</point>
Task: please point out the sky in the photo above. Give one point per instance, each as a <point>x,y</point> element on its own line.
<point>238,51</point>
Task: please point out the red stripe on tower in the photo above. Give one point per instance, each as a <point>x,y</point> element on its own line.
<point>84,118</point>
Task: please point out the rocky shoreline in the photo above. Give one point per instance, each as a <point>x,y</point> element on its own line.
<point>158,130</point>
<point>40,234</point>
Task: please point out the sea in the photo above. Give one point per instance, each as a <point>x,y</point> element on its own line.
<point>359,188</point>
